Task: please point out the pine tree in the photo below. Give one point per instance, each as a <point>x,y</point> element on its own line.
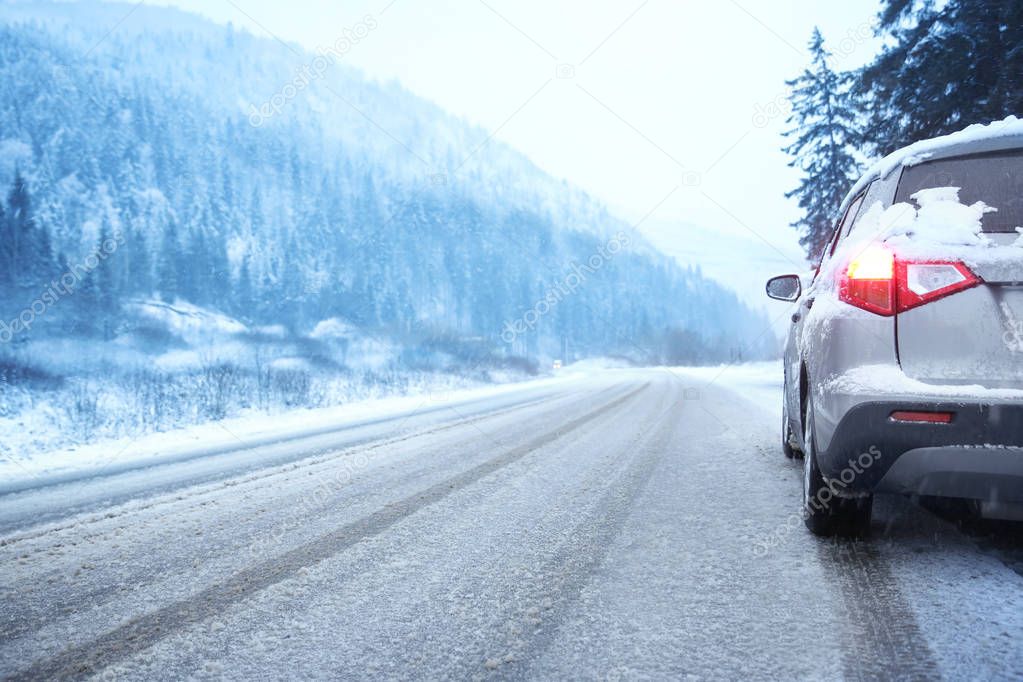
<point>243,294</point>
<point>945,68</point>
<point>32,256</point>
<point>167,274</point>
<point>106,274</point>
<point>135,271</point>
<point>6,252</point>
<point>87,304</point>
<point>19,222</point>
<point>105,280</point>
<point>823,125</point>
<point>195,275</point>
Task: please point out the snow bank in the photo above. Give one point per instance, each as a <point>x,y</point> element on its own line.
<point>332,328</point>
<point>292,364</point>
<point>276,331</point>
<point>19,470</point>
<point>185,320</point>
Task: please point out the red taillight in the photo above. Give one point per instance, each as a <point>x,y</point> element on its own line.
<point>869,281</point>
<point>879,282</point>
<point>909,417</point>
<point>921,283</point>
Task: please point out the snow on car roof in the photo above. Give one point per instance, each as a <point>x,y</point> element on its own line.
<point>975,139</point>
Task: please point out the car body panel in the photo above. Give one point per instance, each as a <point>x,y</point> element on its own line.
<point>977,430</point>
<point>977,473</point>
<point>966,338</point>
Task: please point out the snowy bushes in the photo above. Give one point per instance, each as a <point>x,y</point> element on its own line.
<point>41,412</point>
<point>215,386</point>
<point>170,365</point>
<point>152,398</point>
<point>82,410</point>
<point>289,388</point>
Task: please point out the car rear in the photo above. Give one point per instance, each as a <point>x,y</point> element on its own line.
<point>946,414</point>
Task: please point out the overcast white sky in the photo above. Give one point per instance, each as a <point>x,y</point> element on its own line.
<point>661,92</point>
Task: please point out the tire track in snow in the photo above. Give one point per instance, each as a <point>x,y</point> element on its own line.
<point>559,581</point>
<point>319,457</point>
<point>141,633</point>
<point>21,619</point>
<point>885,641</point>
<point>45,518</point>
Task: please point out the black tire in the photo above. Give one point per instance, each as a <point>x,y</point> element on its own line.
<point>825,513</point>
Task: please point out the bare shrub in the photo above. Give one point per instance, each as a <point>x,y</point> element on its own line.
<point>82,410</point>
<point>156,398</point>
<point>290,387</point>
<point>216,385</point>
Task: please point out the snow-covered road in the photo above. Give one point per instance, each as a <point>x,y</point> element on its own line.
<point>624,525</point>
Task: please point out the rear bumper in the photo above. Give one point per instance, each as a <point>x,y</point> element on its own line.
<point>979,455</point>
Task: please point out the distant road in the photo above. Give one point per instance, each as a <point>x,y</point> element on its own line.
<point>632,525</point>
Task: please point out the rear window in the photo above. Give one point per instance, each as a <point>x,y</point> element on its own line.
<point>995,179</point>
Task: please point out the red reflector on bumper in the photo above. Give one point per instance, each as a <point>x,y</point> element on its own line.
<point>922,417</point>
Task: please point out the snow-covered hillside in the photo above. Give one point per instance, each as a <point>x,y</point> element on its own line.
<point>355,200</point>
<point>188,234</point>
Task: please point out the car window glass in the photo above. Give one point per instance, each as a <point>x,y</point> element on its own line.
<point>996,179</point>
<point>826,254</point>
<point>881,191</point>
<point>848,220</point>
<point>840,231</point>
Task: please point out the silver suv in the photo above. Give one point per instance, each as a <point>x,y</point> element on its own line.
<point>904,361</point>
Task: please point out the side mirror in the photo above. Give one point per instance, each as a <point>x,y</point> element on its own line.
<point>785,288</point>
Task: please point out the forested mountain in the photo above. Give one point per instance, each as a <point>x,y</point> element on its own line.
<point>139,162</point>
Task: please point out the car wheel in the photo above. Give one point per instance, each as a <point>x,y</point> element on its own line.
<point>824,513</point>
